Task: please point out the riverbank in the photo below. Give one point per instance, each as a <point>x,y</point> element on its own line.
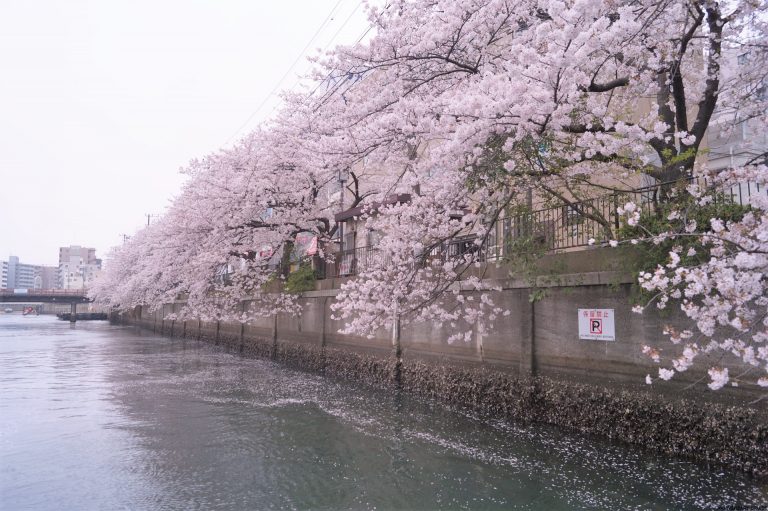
<point>734,436</point>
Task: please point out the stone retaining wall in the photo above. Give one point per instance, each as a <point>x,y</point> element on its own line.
<point>734,436</point>
<point>529,365</point>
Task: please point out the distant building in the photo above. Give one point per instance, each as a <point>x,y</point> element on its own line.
<point>78,266</point>
<point>18,275</point>
<point>47,277</point>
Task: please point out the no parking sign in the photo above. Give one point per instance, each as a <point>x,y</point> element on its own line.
<point>597,325</point>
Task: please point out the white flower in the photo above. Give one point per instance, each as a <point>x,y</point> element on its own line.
<point>629,207</point>
<point>674,260</point>
<point>666,374</point>
<point>653,353</point>
<point>637,309</point>
<point>648,379</point>
<point>613,243</point>
<point>687,138</point>
<point>719,377</point>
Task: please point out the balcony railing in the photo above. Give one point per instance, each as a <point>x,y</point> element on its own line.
<point>554,228</point>
<point>348,263</point>
<point>567,226</point>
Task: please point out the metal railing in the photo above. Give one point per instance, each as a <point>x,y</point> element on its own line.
<point>348,263</point>
<point>564,226</point>
<point>43,292</point>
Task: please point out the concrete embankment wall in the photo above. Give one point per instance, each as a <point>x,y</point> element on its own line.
<point>529,365</point>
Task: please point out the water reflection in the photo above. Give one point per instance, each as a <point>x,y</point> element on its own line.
<point>104,417</point>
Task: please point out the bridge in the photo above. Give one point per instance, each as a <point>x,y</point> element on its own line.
<point>63,296</point>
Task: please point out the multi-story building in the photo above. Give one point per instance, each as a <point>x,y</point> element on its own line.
<point>78,266</point>
<point>20,276</point>
<point>17,275</point>
<point>47,277</point>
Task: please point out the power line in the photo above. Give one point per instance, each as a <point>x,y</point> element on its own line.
<point>320,83</point>
<point>298,58</point>
<point>362,36</point>
<point>330,73</point>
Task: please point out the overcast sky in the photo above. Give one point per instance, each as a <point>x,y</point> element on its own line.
<point>101,103</point>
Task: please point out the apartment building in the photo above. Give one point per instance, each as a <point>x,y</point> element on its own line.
<point>78,267</point>
<point>18,275</point>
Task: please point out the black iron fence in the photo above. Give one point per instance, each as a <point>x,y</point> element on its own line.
<point>348,263</point>
<point>569,225</point>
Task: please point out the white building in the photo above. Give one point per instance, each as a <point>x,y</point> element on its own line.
<point>20,275</point>
<point>78,267</point>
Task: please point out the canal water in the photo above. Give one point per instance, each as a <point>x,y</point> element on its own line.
<point>107,417</point>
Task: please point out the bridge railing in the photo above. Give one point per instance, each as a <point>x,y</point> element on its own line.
<point>43,292</point>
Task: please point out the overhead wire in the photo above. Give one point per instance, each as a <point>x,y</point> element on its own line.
<point>321,82</point>
<point>296,61</point>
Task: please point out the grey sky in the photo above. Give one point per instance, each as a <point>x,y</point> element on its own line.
<point>101,103</point>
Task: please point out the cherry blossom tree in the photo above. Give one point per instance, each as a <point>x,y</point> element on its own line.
<point>717,271</point>
<point>474,104</point>
<point>474,109</point>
